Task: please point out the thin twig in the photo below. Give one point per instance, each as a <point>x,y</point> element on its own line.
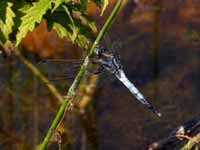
<point>177,137</point>
<point>192,142</point>
<point>37,73</point>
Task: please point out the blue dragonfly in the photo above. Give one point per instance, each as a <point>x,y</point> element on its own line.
<point>109,61</point>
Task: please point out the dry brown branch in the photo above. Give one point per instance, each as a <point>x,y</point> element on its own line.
<point>179,136</point>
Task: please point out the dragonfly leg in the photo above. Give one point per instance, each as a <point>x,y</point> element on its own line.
<point>96,61</point>
<point>99,70</point>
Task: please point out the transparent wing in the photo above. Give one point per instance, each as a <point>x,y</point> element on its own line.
<point>62,61</point>
<point>60,69</point>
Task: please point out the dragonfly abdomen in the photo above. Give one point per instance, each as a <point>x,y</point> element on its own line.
<point>122,77</point>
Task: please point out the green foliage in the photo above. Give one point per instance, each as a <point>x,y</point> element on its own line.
<point>61,31</point>
<point>33,15</point>
<point>6,20</point>
<point>84,4</point>
<point>69,20</point>
<point>57,3</point>
<point>105,4</point>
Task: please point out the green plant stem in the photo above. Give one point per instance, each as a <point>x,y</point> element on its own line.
<point>192,142</point>
<point>106,26</point>
<point>70,94</point>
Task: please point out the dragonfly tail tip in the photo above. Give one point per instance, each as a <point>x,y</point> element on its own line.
<point>159,114</point>
<point>155,111</point>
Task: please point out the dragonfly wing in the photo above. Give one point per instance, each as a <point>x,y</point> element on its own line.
<point>59,68</point>
<point>60,61</point>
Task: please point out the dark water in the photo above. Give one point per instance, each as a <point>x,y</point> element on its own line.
<point>159,47</point>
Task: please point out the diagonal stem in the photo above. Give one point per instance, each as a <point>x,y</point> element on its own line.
<point>72,91</point>
<point>36,72</point>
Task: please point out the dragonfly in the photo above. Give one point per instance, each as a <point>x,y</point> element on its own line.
<point>110,61</point>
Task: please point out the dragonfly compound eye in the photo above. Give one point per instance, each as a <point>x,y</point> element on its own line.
<point>102,49</point>
<point>96,50</point>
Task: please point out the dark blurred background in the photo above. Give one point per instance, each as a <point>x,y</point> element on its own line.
<point>158,42</point>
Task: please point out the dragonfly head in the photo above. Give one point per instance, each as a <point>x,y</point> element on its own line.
<point>99,51</point>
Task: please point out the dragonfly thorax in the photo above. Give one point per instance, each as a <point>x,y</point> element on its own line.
<point>111,63</point>
<point>99,51</point>
<point>108,60</point>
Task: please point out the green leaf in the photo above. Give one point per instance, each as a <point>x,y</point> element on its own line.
<point>61,30</point>
<point>72,26</point>
<point>57,3</point>
<point>20,8</point>
<point>24,7</point>
<point>83,41</point>
<point>105,4</point>
<point>6,19</point>
<point>69,14</point>
<point>85,20</point>
<point>84,4</point>
<point>33,15</point>
<point>3,6</point>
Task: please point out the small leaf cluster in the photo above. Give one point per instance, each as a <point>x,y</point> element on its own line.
<point>68,18</point>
